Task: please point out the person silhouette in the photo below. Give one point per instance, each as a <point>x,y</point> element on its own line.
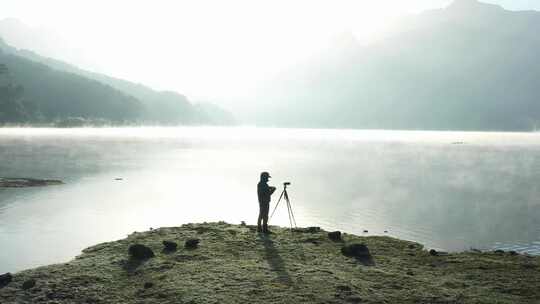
<point>264,192</point>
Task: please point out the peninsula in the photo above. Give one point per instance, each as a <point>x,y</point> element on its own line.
<point>225,263</point>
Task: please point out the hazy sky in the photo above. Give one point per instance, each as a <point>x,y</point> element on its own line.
<point>202,47</point>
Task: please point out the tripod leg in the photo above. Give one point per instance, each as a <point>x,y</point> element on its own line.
<point>279,200</point>
<point>289,213</point>
<point>290,210</point>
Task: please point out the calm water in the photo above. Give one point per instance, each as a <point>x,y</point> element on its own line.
<point>481,193</point>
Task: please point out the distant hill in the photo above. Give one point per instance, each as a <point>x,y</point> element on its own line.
<point>57,90</point>
<point>469,66</point>
<point>44,94</point>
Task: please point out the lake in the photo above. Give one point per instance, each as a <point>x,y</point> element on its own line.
<point>447,190</point>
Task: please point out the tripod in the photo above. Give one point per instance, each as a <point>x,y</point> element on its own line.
<point>285,195</point>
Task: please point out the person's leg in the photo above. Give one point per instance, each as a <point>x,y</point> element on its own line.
<point>259,228</point>
<point>265,210</point>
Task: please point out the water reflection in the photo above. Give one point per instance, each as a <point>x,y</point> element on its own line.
<point>415,185</point>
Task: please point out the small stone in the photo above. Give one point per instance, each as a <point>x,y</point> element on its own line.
<point>335,236</point>
<point>28,284</point>
<point>148,285</point>
<point>192,243</point>
<point>170,246</point>
<point>5,279</point>
<point>433,252</point>
<point>140,252</point>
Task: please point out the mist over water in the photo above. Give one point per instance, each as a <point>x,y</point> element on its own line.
<point>446,190</point>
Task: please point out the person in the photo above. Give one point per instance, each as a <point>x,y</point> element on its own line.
<point>264,192</point>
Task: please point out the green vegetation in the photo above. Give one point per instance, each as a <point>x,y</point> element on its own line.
<point>35,89</point>
<point>234,264</point>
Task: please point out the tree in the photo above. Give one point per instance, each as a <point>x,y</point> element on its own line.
<point>12,108</point>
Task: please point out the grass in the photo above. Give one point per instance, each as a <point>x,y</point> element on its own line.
<point>234,264</point>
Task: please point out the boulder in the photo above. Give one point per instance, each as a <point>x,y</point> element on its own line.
<point>335,236</point>
<point>356,250</point>
<point>5,279</point>
<point>170,246</point>
<point>360,252</point>
<point>28,284</point>
<point>192,243</point>
<point>140,252</point>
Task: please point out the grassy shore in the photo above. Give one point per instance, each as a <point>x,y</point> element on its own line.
<point>235,264</point>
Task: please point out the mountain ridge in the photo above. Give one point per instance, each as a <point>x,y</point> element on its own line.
<point>441,70</point>
<point>163,107</point>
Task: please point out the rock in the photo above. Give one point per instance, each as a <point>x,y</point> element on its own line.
<point>359,251</point>
<point>27,182</point>
<point>148,285</point>
<point>386,231</point>
<point>433,252</point>
<point>5,279</point>
<point>28,284</point>
<point>513,252</point>
<point>192,243</point>
<point>170,246</point>
<point>499,251</point>
<point>366,231</point>
<point>140,252</point>
<point>335,236</point>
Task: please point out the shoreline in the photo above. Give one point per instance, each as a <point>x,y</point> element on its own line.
<point>233,263</point>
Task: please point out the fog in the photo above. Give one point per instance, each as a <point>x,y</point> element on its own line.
<point>414,185</point>
<point>203,49</point>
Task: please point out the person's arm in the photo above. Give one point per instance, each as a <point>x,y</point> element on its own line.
<point>271,190</point>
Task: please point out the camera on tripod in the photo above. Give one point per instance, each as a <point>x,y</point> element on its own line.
<point>285,195</point>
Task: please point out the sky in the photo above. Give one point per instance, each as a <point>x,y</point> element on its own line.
<point>205,48</point>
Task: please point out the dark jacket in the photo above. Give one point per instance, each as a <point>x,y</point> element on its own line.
<point>264,192</point>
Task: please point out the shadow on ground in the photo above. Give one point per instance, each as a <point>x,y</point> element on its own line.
<point>275,261</point>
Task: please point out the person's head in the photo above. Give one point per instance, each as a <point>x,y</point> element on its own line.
<point>265,176</point>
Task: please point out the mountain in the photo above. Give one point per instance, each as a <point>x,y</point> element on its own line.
<point>469,66</point>
<point>146,105</point>
<point>42,94</point>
